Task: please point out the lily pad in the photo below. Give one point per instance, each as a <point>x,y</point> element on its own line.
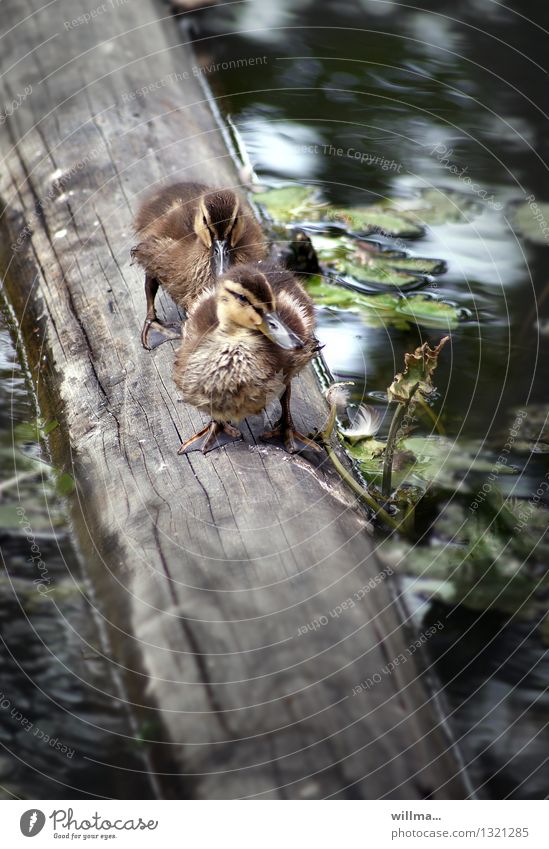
<point>291,203</point>
<point>429,312</point>
<point>384,309</point>
<point>376,219</point>
<point>402,217</point>
<point>419,264</point>
<point>365,263</point>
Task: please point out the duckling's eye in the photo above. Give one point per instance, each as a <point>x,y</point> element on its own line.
<point>243,299</point>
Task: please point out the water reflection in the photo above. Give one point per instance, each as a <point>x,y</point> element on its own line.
<point>64,732</point>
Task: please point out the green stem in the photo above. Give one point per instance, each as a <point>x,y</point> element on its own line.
<point>326,433</point>
<point>400,412</point>
<point>357,489</point>
<point>435,419</point>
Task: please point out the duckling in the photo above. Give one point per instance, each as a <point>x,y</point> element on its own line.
<point>244,342</point>
<point>190,234</point>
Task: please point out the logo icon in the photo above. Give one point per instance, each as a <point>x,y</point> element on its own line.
<point>32,822</point>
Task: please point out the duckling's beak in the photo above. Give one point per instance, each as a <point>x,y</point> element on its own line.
<point>220,256</point>
<point>274,329</point>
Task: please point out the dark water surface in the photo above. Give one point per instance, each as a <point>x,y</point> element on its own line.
<point>371,100</point>
<point>64,732</point>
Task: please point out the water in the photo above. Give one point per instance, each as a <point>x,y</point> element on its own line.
<point>64,731</point>
<point>372,100</point>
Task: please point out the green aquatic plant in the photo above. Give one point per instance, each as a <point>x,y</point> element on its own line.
<point>337,396</point>
<point>365,263</point>
<point>376,219</point>
<point>34,483</point>
<point>291,203</point>
<point>34,431</point>
<point>386,309</point>
<point>399,217</point>
<point>492,564</point>
<point>427,461</point>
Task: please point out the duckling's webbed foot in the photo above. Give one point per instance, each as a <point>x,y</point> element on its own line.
<point>156,332</point>
<point>294,442</point>
<point>285,432</point>
<point>214,435</point>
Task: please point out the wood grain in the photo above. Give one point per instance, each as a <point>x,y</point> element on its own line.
<point>204,568</point>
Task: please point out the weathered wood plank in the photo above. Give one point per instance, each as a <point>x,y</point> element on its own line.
<point>205,568</point>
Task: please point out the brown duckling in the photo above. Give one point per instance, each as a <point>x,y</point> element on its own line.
<point>243,343</point>
<point>189,235</point>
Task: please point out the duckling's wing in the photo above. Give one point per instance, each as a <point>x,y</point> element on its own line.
<point>155,255</point>
<point>153,215</point>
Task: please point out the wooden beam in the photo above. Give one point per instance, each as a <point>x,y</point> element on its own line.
<point>241,591</point>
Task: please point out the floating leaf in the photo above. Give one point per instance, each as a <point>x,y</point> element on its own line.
<point>291,203</point>
<point>376,219</point>
<point>367,450</point>
<point>419,264</point>
<point>418,369</point>
<point>384,309</point>
<point>429,312</point>
<point>65,484</point>
<point>364,262</point>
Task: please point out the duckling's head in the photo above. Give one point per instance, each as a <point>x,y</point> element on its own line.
<point>219,225</point>
<point>246,300</point>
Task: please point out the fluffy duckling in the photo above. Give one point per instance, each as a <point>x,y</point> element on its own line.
<point>189,235</point>
<point>243,343</point>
